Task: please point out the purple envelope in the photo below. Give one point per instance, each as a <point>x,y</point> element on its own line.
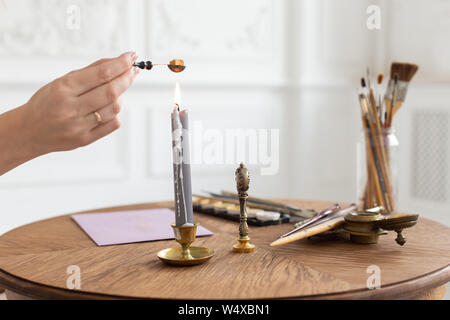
<point>121,227</point>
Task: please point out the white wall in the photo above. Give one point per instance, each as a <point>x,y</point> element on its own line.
<point>289,65</point>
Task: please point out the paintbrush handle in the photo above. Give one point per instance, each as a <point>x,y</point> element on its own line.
<point>391,111</point>
<point>395,109</point>
<point>374,164</point>
<point>379,151</point>
<point>262,201</point>
<point>378,136</point>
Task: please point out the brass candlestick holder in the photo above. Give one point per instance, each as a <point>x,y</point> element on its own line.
<point>242,184</point>
<point>185,255</point>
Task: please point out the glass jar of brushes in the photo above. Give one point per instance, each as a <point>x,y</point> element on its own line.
<point>377,163</point>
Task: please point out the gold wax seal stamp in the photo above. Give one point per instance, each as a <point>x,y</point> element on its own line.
<point>242,184</point>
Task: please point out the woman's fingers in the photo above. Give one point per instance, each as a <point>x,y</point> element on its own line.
<point>98,62</point>
<point>60,115</point>
<point>102,130</point>
<point>106,114</point>
<point>107,93</point>
<point>99,73</point>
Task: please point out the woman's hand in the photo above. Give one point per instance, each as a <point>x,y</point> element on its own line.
<point>60,116</point>
<point>72,111</point>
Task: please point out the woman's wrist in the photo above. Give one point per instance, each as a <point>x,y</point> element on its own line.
<point>16,140</point>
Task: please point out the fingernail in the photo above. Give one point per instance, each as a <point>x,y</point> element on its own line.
<point>132,56</point>
<point>135,71</point>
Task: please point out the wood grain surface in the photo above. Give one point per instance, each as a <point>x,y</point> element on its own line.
<point>34,259</point>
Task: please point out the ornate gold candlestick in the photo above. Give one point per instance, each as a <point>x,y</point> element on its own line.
<point>242,185</point>
<point>185,255</point>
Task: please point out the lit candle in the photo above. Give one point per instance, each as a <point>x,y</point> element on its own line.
<point>181,163</point>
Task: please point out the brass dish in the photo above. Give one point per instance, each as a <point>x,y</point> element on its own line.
<point>185,255</point>
<point>175,256</point>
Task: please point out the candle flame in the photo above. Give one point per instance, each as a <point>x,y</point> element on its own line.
<point>177,94</point>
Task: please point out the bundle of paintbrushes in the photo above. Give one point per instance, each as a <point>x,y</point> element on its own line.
<point>260,212</point>
<point>377,116</point>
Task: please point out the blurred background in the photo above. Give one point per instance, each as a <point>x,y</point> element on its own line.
<point>259,64</point>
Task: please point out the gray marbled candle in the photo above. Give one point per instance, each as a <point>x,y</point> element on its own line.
<point>186,167</point>
<point>184,214</point>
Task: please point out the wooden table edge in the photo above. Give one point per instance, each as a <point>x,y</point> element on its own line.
<point>415,288</point>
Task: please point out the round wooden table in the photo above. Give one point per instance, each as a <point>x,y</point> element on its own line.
<point>34,260</point>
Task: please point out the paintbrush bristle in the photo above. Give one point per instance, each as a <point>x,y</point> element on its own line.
<point>380,77</point>
<point>405,71</point>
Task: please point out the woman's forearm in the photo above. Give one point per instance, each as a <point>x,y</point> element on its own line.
<point>16,145</point>
<point>69,112</point>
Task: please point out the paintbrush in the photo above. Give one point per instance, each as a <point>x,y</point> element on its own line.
<point>260,200</point>
<point>380,78</point>
<point>389,110</point>
<point>379,147</point>
<point>374,159</point>
<point>405,72</point>
<point>368,77</point>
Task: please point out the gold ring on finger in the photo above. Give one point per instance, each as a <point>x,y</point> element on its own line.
<point>98,117</point>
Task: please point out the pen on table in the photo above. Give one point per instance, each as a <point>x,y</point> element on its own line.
<point>334,215</point>
<point>320,216</point>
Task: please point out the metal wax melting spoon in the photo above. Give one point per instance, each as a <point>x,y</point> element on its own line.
<point>176,65</point>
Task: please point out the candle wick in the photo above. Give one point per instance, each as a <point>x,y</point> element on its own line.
<point>178,106</point>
